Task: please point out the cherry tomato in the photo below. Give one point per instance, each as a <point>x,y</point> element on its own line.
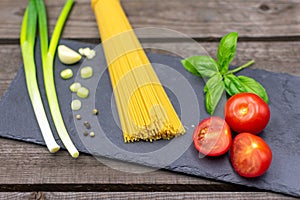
<point>250,155</point>
<point>246,112</point>
<point>212,137</point>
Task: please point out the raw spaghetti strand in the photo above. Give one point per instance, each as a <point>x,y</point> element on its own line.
<point>144,108</point>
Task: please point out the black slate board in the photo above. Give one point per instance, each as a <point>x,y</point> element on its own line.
<point>17,121</point>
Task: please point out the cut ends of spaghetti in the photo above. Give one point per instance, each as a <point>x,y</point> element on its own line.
<point>150,135</point>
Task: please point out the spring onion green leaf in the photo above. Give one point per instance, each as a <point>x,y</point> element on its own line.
<point>47,54</point>
<point>27,42</point>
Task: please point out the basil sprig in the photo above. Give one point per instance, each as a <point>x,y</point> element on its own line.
<point>220,78</point>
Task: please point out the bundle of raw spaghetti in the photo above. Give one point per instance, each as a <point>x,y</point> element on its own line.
<point>145,110</point>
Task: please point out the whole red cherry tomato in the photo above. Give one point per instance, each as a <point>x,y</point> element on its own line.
<point>246,112</point>
<point>250,155</point>
<point>212,137</point>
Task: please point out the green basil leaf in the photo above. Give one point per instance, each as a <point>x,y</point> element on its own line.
<point>226,51</point>
<point>237,84</point>
<point>203,65</point>
<point>255,87</point>
<point>233,85</point>
<point>213,89</point>
<point>189,67</point>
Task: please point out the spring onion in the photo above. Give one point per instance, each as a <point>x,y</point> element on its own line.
<point>76,104</point>
<point>86,72</point>
<point>27,42</point>
<point>83,92</point>
<point>75,86</point>
<point>47,54</point>
<point>66,74</point>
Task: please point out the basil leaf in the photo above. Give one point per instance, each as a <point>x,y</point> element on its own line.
<point>214,89</point>
<point>189,67</point>
<point>237,84</point>
<point>233,85</point>
<point>255,87</point>
<point>203,65</point>
<point>226,51</point>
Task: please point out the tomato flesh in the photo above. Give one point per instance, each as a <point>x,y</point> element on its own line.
<point>247,112</point>
<point>212,137</point>
<point>250,155</point>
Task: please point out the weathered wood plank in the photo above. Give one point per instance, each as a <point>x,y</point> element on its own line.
<point>199,19</point>
<point>272,56</point>
<point>33,164</point>
<point>144,195</point>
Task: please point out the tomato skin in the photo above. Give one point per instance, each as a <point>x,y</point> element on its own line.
<point>212,137</point>
<point>246,112</point>
<point>250,155</point>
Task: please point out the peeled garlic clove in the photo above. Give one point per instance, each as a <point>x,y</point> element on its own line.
<point>87,52</point>
<point>67,56</point>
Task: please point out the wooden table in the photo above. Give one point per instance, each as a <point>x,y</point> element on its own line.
<point>269,33</point>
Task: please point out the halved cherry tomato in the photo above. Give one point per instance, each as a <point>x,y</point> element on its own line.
<point>250,155</point>
<point>246,112</point>
<point>212,137</point>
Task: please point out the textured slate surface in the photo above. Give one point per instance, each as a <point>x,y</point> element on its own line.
<point>17,121</point>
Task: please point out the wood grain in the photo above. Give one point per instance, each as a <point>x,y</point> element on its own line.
<point>198,19</point>
<point>144,195</point>
<point>33,164</point>
<point>271,56</point>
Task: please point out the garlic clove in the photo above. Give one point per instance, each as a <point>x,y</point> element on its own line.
<point>67,56</point>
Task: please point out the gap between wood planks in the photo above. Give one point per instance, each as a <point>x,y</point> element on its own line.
<point>126,188</point>
<point>9,41</point>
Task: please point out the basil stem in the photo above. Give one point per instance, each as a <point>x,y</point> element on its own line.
<point>240,68</point>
